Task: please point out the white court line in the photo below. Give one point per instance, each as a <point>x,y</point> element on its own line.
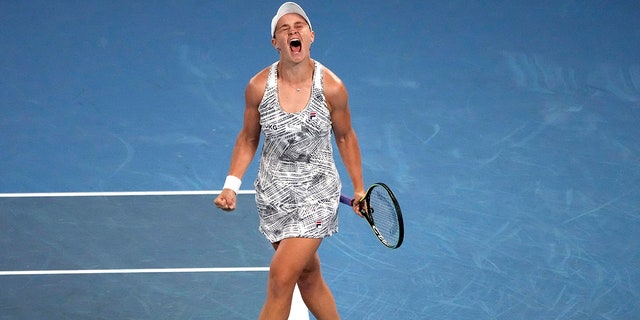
<point>298,309</point>
<point>122,271</point>
<point>116,193</point>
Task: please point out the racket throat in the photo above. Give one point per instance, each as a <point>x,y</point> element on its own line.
<point>379,235</point>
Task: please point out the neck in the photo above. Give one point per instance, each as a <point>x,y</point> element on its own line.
<point>295,73</point>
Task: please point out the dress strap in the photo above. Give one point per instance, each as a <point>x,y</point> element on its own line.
<point>273,75</point>
<point>317,75</point>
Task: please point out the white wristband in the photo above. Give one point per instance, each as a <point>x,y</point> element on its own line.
<point>232,183</point>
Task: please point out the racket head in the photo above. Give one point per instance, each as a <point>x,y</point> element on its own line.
<point>383,213</point>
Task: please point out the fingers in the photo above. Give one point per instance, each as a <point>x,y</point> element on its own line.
<point>358,207</point>
<point>226,200</point>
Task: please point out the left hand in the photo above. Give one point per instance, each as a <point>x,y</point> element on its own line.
<point>358,206</point>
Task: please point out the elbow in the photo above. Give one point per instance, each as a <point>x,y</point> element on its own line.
<point>246,139</point>
<point>345,138</point>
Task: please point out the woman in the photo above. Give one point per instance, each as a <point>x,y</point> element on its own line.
<point>296,103</point>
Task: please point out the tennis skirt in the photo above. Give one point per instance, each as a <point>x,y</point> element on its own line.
<point>296,213</point>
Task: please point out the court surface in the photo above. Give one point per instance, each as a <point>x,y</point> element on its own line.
<point>509,132</point>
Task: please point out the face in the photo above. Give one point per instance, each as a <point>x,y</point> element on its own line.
<point>293,37</point>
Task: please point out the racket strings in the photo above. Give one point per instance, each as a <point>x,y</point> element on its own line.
<point>383,213</point>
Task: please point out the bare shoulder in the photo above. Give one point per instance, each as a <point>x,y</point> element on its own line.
<point>256,86</point>
<point>334,89</point>
<point>259,80</point>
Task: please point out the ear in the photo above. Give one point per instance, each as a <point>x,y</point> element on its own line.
<point>313,36</point>
<point>275,44</point>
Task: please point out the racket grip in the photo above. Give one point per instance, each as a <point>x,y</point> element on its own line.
<point>346,200</point>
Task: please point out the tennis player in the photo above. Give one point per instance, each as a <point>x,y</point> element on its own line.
<point>296,104</point>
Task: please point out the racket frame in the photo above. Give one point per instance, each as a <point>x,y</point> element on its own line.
<point>367,214</point>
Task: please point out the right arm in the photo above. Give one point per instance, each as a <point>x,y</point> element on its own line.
<point>247,141</point>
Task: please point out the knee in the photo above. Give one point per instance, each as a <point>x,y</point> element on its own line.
<point>281,281</point>
<point>309,278</point>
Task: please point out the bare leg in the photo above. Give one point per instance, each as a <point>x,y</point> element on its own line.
<point>288,263</point>
<point>316,293</point>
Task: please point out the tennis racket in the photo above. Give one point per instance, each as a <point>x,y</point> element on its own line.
<point>381,210</point>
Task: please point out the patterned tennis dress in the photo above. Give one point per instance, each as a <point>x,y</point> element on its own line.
<point>298,187</point>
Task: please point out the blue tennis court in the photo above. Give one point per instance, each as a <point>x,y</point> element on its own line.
<point>508,131</point>
<point>134,256</point>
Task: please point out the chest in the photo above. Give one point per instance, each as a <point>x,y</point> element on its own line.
<point>312,120</point>
<point>294,99</point>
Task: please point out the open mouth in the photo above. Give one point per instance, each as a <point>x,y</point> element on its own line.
<point>295,45</point>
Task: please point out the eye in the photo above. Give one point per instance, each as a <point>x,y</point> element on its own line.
<point>284,28</point>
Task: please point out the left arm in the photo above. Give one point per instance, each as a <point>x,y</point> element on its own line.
<point>346,139</point>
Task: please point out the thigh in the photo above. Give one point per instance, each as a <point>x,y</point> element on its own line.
<point>294,255</point>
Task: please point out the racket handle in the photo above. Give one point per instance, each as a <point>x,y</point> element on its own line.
<point>346,200</point>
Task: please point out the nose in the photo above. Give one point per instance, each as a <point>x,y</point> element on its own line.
<point>293,32</point>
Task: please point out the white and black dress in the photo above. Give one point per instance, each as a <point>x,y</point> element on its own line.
<point>298,187</point>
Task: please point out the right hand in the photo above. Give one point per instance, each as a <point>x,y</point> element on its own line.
<point>226,200</point>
